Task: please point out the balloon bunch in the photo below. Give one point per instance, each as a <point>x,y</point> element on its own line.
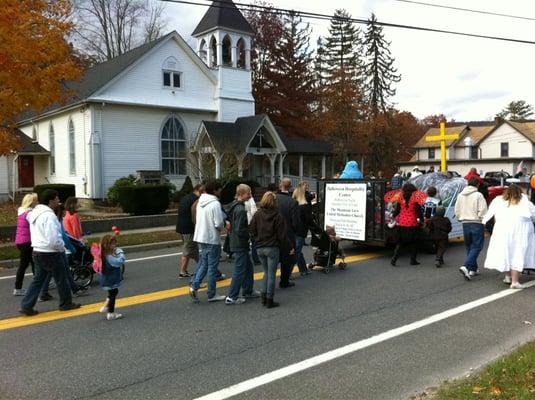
<point>115,230</point>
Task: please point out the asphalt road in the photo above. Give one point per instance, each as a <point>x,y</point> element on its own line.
<point>174,349</point>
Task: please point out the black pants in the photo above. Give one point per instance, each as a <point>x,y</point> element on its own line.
<point>441,246</point>
<point>408,237</point>
<point>25,260</point>
<point>112,294</point>
<point>286,271</point>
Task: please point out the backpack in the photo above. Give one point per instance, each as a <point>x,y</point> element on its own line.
<point>429,209</point>
<point>97,259</point>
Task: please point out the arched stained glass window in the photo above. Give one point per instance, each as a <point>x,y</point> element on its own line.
<point>173,142</point>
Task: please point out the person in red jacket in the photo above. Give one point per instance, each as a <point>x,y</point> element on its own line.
<point>473,174</point>
<point>410,219</point>
<point>71,221</point>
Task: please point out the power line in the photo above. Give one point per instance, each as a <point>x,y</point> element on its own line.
<point>466,9</point>
<point>312,15</point>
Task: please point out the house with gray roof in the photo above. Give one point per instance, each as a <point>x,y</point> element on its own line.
<point>163,107</point>
<point>499,145</point>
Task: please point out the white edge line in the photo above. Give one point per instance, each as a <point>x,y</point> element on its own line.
<point>353,347</point>
<point>128,261</point>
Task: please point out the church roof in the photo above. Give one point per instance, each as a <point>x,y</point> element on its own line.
<point>28,146</point>
<point>229,136</point>
<point>98,76</point>
<point>223,14</point>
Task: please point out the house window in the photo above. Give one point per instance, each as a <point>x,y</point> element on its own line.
<point>173,144</point>
<point>52,144</point>
<point>431,154</point>
<point>72,154</point>
<point>171,73</point>
<point>504,149</point>
<point>474,153</point>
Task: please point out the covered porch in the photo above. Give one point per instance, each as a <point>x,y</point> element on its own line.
<point>255,149</point>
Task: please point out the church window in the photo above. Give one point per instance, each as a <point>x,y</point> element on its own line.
<point>72,152</point>
<point>171,74</point>
<point>173,144</point>
<point>203,52</point>
<point>52,146</point>
<point>241,53</point>
<point>213,47</point>
<point>431,154</point>
<point>227,51</point>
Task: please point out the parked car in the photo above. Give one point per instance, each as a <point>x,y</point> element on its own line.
<point>494,178</point>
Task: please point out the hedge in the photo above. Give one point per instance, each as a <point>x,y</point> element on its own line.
<point>144,199</point>
<point>65,190</point>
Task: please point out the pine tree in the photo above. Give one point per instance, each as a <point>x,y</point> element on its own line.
<point>379,71</point>
<point>291,80</point>
<point>338,75</point>
<point>516,111</point>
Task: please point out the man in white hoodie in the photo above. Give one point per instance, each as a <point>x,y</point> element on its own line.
<point>210,220</point>
<point>48,254</point>
<point>470,209</point>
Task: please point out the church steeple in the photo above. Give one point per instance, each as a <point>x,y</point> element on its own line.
<point>224,36</point>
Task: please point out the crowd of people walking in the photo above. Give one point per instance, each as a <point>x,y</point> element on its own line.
<point>270,233</point>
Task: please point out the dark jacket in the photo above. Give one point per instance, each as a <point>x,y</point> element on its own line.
<point>289,210</point>
<point>439,227</point>
<point>268,229</point>
<point>184,222</point>
<point>305,217</point>
<point>239,229</point>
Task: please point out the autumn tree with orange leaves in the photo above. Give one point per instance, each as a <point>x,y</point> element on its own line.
<point>35,59</point>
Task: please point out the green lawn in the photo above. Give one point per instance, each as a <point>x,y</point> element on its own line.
<point>511,377</point>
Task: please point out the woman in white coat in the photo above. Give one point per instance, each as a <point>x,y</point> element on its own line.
<point>512,244</point>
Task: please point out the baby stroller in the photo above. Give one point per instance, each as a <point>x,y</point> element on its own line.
<point>81,263</point>
<point>327,251</point>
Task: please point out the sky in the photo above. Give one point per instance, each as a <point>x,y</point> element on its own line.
<point>467,79</point>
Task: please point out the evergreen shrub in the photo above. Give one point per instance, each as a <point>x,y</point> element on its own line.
<point>144,199</point>
<point>65,190</point>
<point>113,191</point>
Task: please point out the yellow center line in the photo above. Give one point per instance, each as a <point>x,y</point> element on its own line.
<point>17,322</point>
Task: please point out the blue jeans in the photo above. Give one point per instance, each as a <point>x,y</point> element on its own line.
<point>208,263</point>
<point>301,263</point>
<point>254,254</point>
<point>68,274</point>
<point>269,257</point>
<point>243,275</point>
<point>45,263</point>
<point>474,238</point>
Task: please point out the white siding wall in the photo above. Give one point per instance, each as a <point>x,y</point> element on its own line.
<point>42,173</point>
<point>143,83</point>
<point>4,178</point>
<point>519,145</point>
<point>230,110</point>
<point>131,139</point>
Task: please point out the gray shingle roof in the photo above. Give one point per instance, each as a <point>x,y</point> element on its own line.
<point>228,136</point>
<point>98,76</point>
<point>223,14</point>
<point>28,146</point>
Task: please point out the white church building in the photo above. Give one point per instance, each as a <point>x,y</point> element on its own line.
<point>162,107</point>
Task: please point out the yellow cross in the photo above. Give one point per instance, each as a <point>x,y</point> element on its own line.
<point>442,138</point>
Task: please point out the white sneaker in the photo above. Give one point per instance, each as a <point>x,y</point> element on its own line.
<point>19,292</point>
<point>113,315</point>
<point>507,280</point>
<point>517,285</point>
<point>464,271</point>
<point>229,301</point>
<point>103,310</point>
<point>217,298</point>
